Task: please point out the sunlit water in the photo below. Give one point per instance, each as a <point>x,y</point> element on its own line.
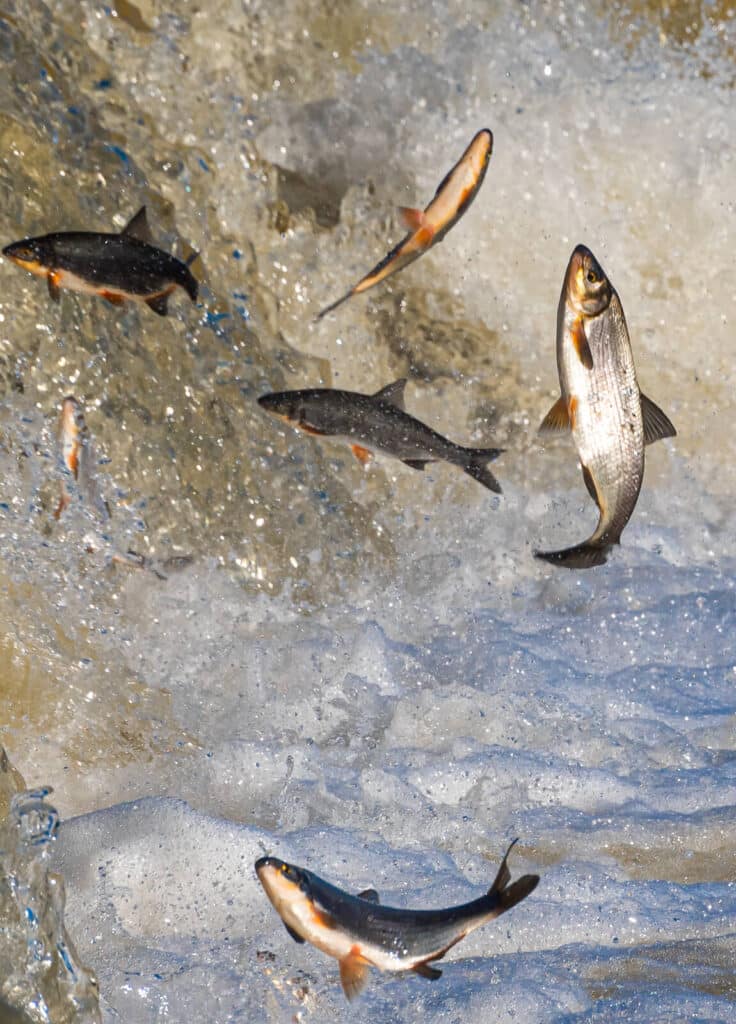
<point>365,671</point>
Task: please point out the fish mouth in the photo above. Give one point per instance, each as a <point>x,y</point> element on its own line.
<point>33,265</point>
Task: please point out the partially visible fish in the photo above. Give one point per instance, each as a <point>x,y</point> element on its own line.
<point>115,266</point>
<point>611,420</point>
<point>427,227</point>
<point>378,422</point>
<point>361,933</point>
<point>78,457</point>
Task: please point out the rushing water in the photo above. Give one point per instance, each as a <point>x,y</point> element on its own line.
<point>365,670</point>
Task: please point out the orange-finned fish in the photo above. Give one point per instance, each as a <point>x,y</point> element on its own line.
<point>361,933</point>
<point>611,420</point>
<point>115,266</point>
<point>427,227</point>
<point>77,455</point>
<point>378,423</point>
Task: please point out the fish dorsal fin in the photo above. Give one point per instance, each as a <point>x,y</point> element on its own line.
<point>393,393</point>
<point>353,973</point>
<point>295,935</point>
<point>137,227</point>
<point>430,973</point>
<point>411,217</point>
<point>370,895</point>
<point>416,463</point>
<point>656,423</point>
<point>558,418</point>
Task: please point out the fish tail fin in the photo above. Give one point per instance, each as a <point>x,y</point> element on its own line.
<point>508,895</point>
<point>334,305</point>
<point>475,465</point>
<point>583,556</point>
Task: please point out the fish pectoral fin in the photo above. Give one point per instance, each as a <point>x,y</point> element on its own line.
<point>656,424</point>
<point>361,454</point>
<point>416,463</point>
<point>52,281</point>
<point>114,298</point>
<point>580,341</point>
<point>558,418</point>
<point>295,935</point>
<point>353,973</point>
<point>393,393</point>
<point>137,227</point>
<point>159,304</point>
<point>369,894</point>
<point>411,217</point>
<point>430,973</point>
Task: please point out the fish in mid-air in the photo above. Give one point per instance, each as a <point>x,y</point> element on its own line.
<point>611,420</point>
<point>78,457</point>
<point>427,227</point>
<point>378,422</point>
<point>361,933</point>
<point>118,267</point>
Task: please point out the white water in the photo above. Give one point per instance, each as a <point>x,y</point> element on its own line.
<point>366,672</point>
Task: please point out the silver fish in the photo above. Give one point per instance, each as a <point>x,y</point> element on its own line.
<point>611,420</point>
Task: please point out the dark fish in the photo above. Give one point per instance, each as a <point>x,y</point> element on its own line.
<point>378,422</point>
<point>361,933</point>
<point>427,227</point>
<point>611,420</point>
<point>116,267</point>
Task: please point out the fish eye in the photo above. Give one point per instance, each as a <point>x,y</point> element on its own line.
<point>592,277</point>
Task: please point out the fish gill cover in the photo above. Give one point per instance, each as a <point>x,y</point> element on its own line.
<point>365,671</point>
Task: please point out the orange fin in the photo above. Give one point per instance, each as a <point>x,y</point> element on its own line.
<point>656,423</point>
<point>411,217</point>
<point>580,341</point>
<point>572,408</point>
<point>361,454</point>
<point>64,501</point>
<point>353,973</point>
<point>52,280</point>
<point>113,297</point>
<point>556,419</point>
<point>424,237</point>
<point>430,973</point>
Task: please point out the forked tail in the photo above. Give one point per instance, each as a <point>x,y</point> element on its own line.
<point>583,556</point>
<point>476,466</point>
<point>509,895</point>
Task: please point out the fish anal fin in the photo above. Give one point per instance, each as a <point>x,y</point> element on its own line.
<point>580,341</point>
<point>137,226</point>
<point>114,298</point>
<point>393,393</point>
<point>656,423</point>
<point>361,454</point>
<point>416,463</point>
<point>430,973</point>
<point>424,236</point>
<point>52,281</point>
<point>159,303</point>
<point>294,934</point>
<point>370,895</point>
<point>353,973</point>
<point>411,217</point>
<point>556,419</point>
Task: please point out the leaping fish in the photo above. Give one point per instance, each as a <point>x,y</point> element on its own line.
<point>611,420</point>
<point>115,266</point>
<point>427,227</point>
<point>378,422</point>
<point>361,933</point>
<point>78,457</point>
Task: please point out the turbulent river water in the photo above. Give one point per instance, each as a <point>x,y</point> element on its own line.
<point>364,670</point>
